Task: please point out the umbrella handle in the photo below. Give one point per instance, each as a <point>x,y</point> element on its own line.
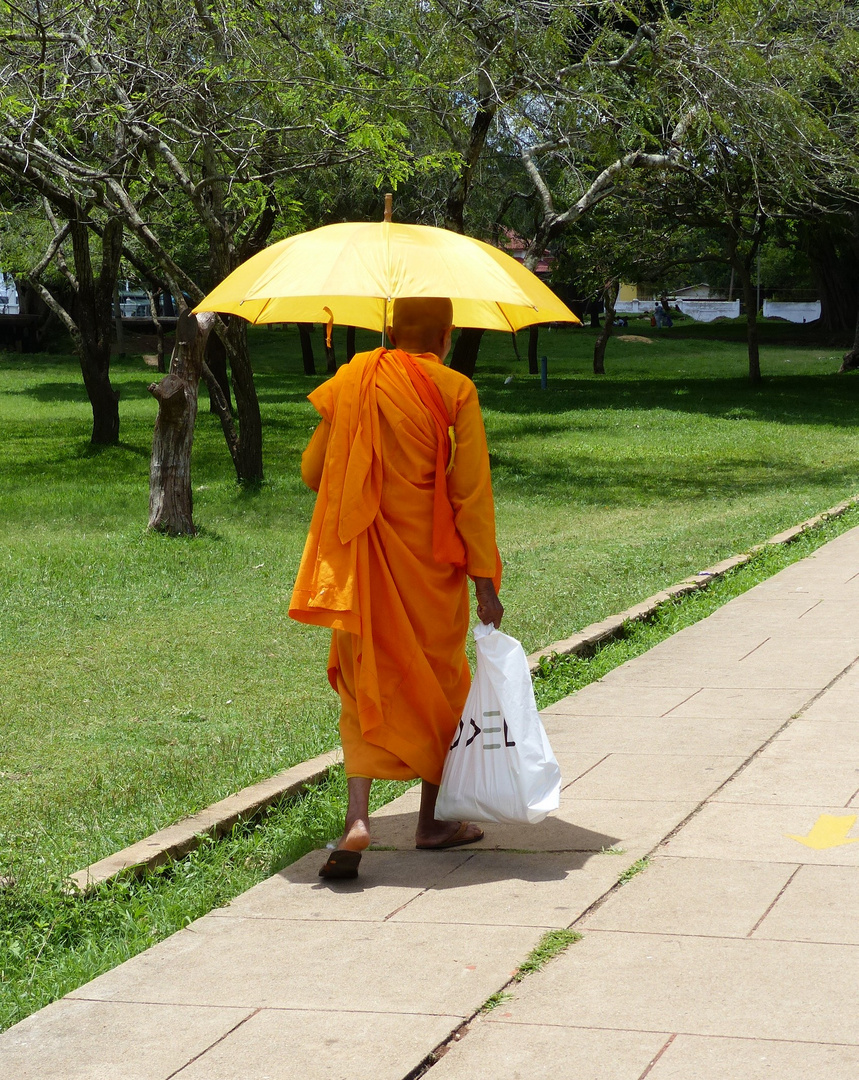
<point>389,206</point>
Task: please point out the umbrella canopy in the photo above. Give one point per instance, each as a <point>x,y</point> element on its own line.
<point>349,273</point>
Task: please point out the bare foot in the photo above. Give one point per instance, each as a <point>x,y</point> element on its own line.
<point>356,837</point>
<point>356,834</point>
<point>443,834</point>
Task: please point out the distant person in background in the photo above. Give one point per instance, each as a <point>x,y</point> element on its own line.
<point>662,313</point>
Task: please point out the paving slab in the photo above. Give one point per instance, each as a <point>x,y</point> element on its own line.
<point>827,615</point>
<point>719,736</point>
<point>759,832</point>
<point>797,672</point>
<point>354,1044</point>
<point>260,963</point>
<point>112,1040</point>
<point>709,897</point>
<point>850,679</point>
<point>820,740</point>
<point>763,702</point>
<point>821,903</point>
<point>747,988</point>
<point>610,698</point>
<point>497,1050</point>
<point>841,702</point>
<point>516,889</point>
<point>691,1057</point>
<point>776,778</point>
<point>664,778</point>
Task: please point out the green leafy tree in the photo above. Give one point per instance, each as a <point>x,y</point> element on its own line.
<point>189,125</point>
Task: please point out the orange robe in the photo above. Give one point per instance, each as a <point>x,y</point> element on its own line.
<point>395,534</point>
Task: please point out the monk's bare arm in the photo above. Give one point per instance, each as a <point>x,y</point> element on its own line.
<point>313,458</point>
<point>489,609</point>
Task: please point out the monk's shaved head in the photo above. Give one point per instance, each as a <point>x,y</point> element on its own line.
<point>422,324</point>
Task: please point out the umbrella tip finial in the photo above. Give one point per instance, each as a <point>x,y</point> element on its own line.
<point>389,206</point>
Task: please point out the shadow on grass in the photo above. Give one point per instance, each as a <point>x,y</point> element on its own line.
<point>640,481</point>
<point>97,450</point>
<point>53,391</point>
<point>785,399</point>
<point>75,391</point>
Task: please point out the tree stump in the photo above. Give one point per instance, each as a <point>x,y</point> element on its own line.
<point>170,499</point>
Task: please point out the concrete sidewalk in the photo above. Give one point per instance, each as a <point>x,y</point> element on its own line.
<point>733,956</point>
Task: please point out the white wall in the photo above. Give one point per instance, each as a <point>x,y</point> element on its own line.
<point>792,311</point>
<point>701,310</point>
<point>708,310</point>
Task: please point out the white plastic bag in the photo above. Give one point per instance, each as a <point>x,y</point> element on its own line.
<point>500,766</point>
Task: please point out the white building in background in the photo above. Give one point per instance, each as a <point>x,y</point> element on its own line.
<point>8,295</point>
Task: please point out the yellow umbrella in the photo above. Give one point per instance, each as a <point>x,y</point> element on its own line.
<point>349,273</point>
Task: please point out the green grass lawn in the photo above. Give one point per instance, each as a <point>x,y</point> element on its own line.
<point>144,678</point>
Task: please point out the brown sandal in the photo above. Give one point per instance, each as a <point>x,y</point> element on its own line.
<point>341,864</point>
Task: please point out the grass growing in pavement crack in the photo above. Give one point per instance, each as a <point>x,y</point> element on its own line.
<point>631,871</point>
<point>494,1000</point>
<point>559,676</point>
<point>550,945</point>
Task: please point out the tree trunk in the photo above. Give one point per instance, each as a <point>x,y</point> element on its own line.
<point>94,318</point>
<point>330,358</point>
<point>216,360</point>
<point>170,498</point>
<point>159,331</point>
<point>851,359</point>
<point>609,299</point>
<point>742,261</point>
<point>533,345</point>
<point>834,256</point>
<point>89,322</point>
<point>104,401</point>
<point>465,351</point>
<point>249,457</point>
<point>306,348</point>
<point>350,343</point>
<point>751,302</point>
<point>222,409</point>
<point>482,122</point>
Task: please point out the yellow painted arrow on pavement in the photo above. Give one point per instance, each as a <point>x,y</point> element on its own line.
<point>828,831</point>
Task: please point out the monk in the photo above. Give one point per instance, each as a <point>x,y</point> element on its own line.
<point>404,517</point>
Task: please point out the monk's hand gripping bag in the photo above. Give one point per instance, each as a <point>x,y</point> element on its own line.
<point>500,766</point>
